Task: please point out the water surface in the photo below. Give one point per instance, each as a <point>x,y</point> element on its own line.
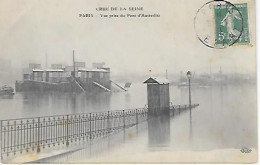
<point>226,117</point>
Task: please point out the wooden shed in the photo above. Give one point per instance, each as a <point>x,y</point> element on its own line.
<point>158,95</point>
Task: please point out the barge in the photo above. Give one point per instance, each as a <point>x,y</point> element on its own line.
<point>76,78</point>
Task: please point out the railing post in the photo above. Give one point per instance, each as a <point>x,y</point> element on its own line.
<point>67,135</point>
<point>90,137</point>
<point>94,126</point>
<point>1,143</point>
<point>108,121</point>
<point>33,139</point>
<point>136,111</point>
<point>27,140</point>
<point>11,139</point>
<point>38,144</point>
<point>124,118</point>
<point>7,139</point>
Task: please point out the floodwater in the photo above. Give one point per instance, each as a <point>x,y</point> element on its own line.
<point>225,119</point>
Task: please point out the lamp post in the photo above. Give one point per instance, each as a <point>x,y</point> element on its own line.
<point>189,77</point>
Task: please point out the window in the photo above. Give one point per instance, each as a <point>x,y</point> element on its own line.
<point>101,75</point>
<point>37,76</point>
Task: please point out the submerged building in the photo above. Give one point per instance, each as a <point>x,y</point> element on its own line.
<point>76,78</point>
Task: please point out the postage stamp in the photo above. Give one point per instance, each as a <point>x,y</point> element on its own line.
<point>219,24</point>
<point>230,21</point>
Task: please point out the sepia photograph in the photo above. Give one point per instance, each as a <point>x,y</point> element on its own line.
<point>138,81</point>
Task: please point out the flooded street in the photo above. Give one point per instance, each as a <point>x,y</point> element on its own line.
<point>223,115</point>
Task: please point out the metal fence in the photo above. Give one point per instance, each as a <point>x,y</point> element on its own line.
<point>176,109</point>
<point>22,135</point>
<point>38,133</point>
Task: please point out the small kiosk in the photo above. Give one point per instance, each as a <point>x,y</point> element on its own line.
<point>158,95</point>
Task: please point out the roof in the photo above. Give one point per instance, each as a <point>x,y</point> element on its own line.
<point>92,70</point>
<point>157,80</point>
<point>54,70</point>
<point>38,70</point>
<point>48,70</point>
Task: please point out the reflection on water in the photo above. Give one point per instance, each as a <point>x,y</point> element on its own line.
<point>99,147</point>
<point>6,96</point>
<point>159,131</point>
<point>226,117</point>
<point>30,104</point>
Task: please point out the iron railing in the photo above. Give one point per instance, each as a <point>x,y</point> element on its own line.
<point>22,135</point>
<point>38,133</point>
<point>176,109</point>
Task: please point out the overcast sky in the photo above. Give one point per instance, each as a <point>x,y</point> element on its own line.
<point>30,29</point>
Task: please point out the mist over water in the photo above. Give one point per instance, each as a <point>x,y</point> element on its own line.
<point>226,117</point>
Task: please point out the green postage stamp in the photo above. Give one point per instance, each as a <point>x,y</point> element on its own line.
<point>231,24</point>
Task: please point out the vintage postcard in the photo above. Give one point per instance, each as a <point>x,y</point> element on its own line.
<point>138,81</point>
